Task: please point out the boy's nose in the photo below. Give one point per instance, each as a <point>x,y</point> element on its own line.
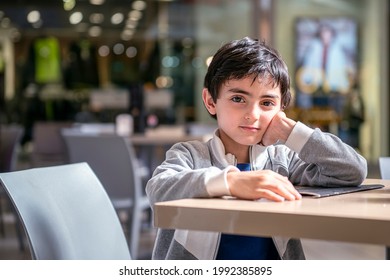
<point>254,113</point>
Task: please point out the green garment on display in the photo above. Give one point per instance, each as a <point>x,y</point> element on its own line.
<point>47,60</point>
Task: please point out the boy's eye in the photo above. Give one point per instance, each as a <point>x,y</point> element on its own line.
<point>268,103</point>
<point>237,99</point>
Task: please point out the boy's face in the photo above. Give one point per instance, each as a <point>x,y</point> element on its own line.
<point>244,109</point>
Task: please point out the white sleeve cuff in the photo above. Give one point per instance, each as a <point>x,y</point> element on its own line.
<point>217,185</point>
<point>298,137</point>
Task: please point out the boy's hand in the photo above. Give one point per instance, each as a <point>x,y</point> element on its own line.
<point>261,184</point>
<point>278,129</point>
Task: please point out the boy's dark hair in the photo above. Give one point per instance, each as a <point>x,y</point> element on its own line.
<point>244,58</point>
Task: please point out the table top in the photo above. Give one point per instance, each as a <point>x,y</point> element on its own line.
<point>168,135</point>
<point>362,217</point>
<point>143,139</point>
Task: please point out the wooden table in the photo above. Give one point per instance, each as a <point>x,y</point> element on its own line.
<point>362,217</point>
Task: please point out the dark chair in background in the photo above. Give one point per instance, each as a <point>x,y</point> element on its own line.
<point>114,161</point>
<point>10,137</point>
<point>48,147</point>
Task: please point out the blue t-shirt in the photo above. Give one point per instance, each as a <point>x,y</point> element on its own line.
<point>240,247</point>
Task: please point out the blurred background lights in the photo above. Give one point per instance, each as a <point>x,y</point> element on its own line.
<point>33,16</point>
<point>117,18</point>
<point>97,2</point>
<point>208,60</point>
<point>69,4</point>
<point>135,15</point>
<point>118,49</point>
<point>131,52</point>
<point>95,31</point>
<point>197,62</point>
<point>170,61</point>
<point>76,18</point>
<point>164,82</point>
<point>139,5</point>
<point>104,51</point>
<point>96,18</point>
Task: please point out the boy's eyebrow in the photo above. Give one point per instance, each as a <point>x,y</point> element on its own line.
<point>244,92</point>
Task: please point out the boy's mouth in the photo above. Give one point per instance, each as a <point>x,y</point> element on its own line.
<point>249,128</point>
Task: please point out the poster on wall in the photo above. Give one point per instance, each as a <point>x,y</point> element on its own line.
<point>326,54</point>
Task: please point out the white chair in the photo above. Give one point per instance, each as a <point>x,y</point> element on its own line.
<point>113,159</point>
<point>66,213</point>
<point>384,167</point>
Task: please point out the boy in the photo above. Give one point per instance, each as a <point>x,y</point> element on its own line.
<point>246,89</point>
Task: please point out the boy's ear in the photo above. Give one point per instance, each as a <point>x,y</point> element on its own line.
<point>208,101</point>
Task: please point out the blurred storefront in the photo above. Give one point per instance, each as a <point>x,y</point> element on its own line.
<point>154,66</point>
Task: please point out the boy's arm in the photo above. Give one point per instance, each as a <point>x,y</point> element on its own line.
<point>187,173</point>
<point>321,158</point>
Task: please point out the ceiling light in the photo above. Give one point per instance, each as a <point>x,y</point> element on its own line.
<point>76,18</point>
<point>96,18</point>
<point>131,52</point>
<point>135,15</point>
<point>139,5</point>
<point>131,24</point>
<point>33,16</point>
<point>117,18</point>
<point>96,2</point>
<point>104,51</point>
<point>69,4</point>
<point>128,31</point>
<point>95,31</point>
<point>208,60</point>
<point>127,34</point>
<point>118,49</point>
<point>126,37</point>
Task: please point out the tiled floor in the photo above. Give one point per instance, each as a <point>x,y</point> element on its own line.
<point>314,249</point>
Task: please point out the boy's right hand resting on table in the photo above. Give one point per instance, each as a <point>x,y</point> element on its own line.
<point>261,184</point>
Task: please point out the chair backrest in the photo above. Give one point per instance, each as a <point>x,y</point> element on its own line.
<point>10,136</point>
<point>66,213</point>
<point>48,144</point>
<point>111,157</point>
<point>384,167</point>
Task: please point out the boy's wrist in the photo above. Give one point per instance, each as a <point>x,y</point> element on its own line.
<point>217,185</point>
<point>298,137</point>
